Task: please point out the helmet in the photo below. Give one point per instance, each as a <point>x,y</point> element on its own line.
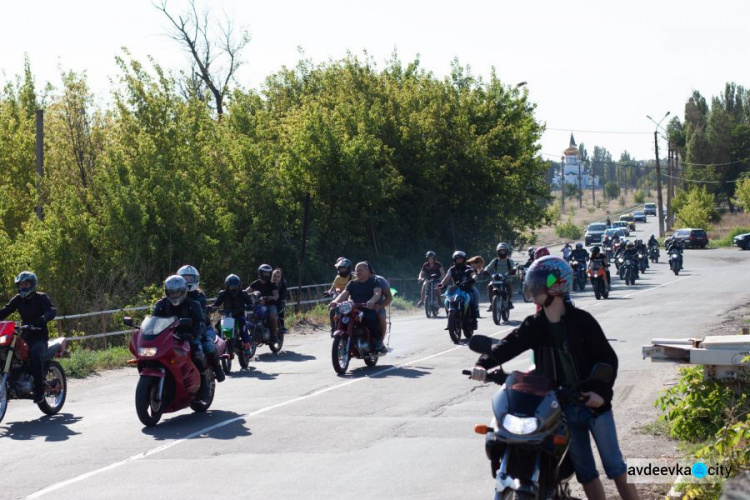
<point>26,276</point>
<point>639,241</point>
<point>457,254</point>
<point>579,246</point>
<point>541,252</point>
<point>175,289</point>
<point>502,249</point>
<point>595,250</point>
<point>550,275</point>
<point>652,237</point>
<point>191,275</point>
<point>629,244</point>
<point>264,272</point>
<point>531,252</point>
<point>430,254</point>
<point>232,284</point>
<point>344,263</point>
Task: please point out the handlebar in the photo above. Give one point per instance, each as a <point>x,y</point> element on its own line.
<point>497,376</point>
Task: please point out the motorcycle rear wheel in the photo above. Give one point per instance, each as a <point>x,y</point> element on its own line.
<point>148,410</point>
<point>277,342</point>
<point>339,355</point>
<point>226,363</point>
<point>3,402</point>
<point>54,403</point>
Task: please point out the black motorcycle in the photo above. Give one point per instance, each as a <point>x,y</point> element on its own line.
<point>653,254</point>
<point>499,299</point>
<point>528,439</point>
<point>431,301</point>
<point>642,261</point>
<point>675,261</point>
<point>629,271</point>
<point>579,274</point>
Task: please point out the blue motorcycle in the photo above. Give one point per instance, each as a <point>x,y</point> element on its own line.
<point>458,308</point>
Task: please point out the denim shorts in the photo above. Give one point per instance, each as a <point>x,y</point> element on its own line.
<point>272,310</point>
<point>583,424</point>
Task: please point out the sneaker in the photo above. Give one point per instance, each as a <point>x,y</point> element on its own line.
<point>420,303</point>
<point>383,349</point>
<point>475,325</point>
<point>219,372</point>
<point>38,396</point>
<point>489,309</point>
<point>511,306</point>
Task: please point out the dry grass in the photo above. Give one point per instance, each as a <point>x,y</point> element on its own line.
<point>728,222</point>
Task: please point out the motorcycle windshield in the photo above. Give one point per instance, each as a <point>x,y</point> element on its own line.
<point>152,326</point>
<point>525,392</point>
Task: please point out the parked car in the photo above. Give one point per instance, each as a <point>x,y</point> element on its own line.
<point>622,224</point>
<point>743,241</point>
<point>629,219</point>
<point>692,238</point>
<point>649,208</point>
<point>620,232</point>
<point>639,216</point>
<point>594,233</point>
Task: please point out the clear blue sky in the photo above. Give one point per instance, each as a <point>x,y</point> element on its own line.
<point>591,65</point>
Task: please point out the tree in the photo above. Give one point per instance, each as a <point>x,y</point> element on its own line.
<point>611,190</point>
<point>695,208</point>
<point>742,194</point>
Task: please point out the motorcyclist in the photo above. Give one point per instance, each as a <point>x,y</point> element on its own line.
<point>176,303</point>
<point>566,250</point>
<point>640,247</point>
<point>567,342</point>
<point>672,245</point>
<point>530,260</point>
<point>653,242</point>
<point>235,300</point>
<point>344,276</point>
<point>269,293</point>
<point>206,341</point>
<point>278,278</point>
<point>432,269</point>
<point>36,310</point>
<point>599,259</point>
<point>364,290</point>
<point>502,264</point>
<point>460,273</point>
<point>631,253</point>
<point>580,253</point>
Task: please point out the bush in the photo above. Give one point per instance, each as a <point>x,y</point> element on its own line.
<point>85,362</point>
<point>728,240</point>
<point>742,194</point>
<point>611,190</point>
<point>639,196</point>
<point>591,210</point>
<point>568,230</point>
<point>696,208</point>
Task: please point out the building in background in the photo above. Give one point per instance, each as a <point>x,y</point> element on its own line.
<point>572,167</point>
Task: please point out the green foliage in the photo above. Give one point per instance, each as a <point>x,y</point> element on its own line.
<point>591,210</point>
<point>401,304</point>
<point>639,196</point>
<point>572,191</point>
<point>84,362</point>
<point>611,190</point>
<point>695,208</point>
<point>742,194</point>
<point>728,240</point>
<point>568,230</point>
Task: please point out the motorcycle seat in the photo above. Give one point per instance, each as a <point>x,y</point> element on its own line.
<point>53,347</point>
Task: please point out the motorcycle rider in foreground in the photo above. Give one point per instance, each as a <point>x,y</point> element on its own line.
<point>432,269</point>
<point>673,244</point>
<point>567,342</point>
<point>176,303</point>
<point>36,310</point>
<point>459,272</point>
<point>502,264</point>
<point>579,253</point>
<point>206,342</point>
<point>364,290</point>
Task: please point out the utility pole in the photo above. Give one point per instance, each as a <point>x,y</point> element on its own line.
<point>592,178</point>
<point>658,186</point>
<point>562,185</point>
<point>580,187</point>
<point>670,185</point>
<point>39,161</point>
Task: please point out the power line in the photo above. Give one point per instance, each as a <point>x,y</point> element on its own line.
<point>598,131</point>
<point>683,163</point>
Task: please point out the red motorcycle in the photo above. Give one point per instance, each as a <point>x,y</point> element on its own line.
<point>17,381</point>
<point>351,338</point>
<point>169,380</point>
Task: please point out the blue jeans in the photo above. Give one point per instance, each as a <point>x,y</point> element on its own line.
<point>474,301</point>
<point>582,423</point>
<point>370,320</point>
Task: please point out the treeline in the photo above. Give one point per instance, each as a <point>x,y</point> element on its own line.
<point>396,162</point>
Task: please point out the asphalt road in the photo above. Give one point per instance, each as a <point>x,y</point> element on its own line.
<point>290,428</point>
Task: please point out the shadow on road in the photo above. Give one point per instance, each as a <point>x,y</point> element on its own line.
<point>183,425</point>
<point>404,372</point>
<point>52,428</point>
<point>252,372</point>
<point>284,356</point>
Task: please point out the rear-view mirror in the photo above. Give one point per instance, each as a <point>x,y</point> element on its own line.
<point>127,321</point>
<point>480,344</point>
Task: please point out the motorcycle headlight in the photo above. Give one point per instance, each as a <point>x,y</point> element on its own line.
<point>345,308</point>
<point>520,426</point>
<point>3,339</point>
<point>146,352</point>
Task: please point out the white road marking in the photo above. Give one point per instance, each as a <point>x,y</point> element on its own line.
<point>164,447</point>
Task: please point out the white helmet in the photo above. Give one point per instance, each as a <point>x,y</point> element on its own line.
<point>191,276</point>
<point>175,289</point>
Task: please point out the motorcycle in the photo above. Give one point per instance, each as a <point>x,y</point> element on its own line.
<point>597,275</point>
<point>168,378</point>
<point>628,271</point>
<point>675,262</point>
<point>653,254</point>
<point>579,274</point>
<point>457,305</point>
<point>233,339</point>
<point>528,439</point>
<point>642,262</point>
<point>17,380</point>
<point>431,303</point>
<point>520,277</point>
<point>257,325</point>
<point>499,300</point>
<point>352,339</point>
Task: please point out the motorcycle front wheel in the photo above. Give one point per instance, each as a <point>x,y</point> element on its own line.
<point>277,342</point>
<point>147,404</point>
<point>3,402</point>
<point>340,355</point>
<point>454,327</point>
<point>497,306</point>
<point>57,385</point>
<point>371,360</point>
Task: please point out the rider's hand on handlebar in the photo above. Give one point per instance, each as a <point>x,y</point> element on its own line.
<point>332,305</point>
<point>184,336</point>
<point>479,374</point>
<point>327,293</point>
<point>371,304</point>
<point>594,400</point>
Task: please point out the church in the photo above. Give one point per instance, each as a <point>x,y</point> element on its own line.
<point>573,166</point>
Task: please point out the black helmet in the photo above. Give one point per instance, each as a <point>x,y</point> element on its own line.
<point>457,254</point>
<point>344,266</point>
<point>431,254</point>
<point>232,284</point>
<point>264,272</point>
<point>175,289</point>
<point>579,246</point>
<point>25,276</point>
<point>595,250</point>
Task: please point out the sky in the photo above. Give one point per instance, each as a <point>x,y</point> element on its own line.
<point>592,67</point>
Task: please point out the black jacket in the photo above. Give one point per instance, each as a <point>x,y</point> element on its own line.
<point>588,346</point>
<point>35,310</point>
<point>188,309</point>
<point>201,299</point>
<point>236,303</point>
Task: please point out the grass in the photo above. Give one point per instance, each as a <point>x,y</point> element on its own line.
<point>83,363</point>
<point>658,427</point>
<point>730,225</point>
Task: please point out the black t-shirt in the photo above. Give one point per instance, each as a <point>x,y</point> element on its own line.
<point>565,367</point>
<point>361,292</point>
<point>431,271</point>
<point>266,289</point>
<point>459,272</point>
